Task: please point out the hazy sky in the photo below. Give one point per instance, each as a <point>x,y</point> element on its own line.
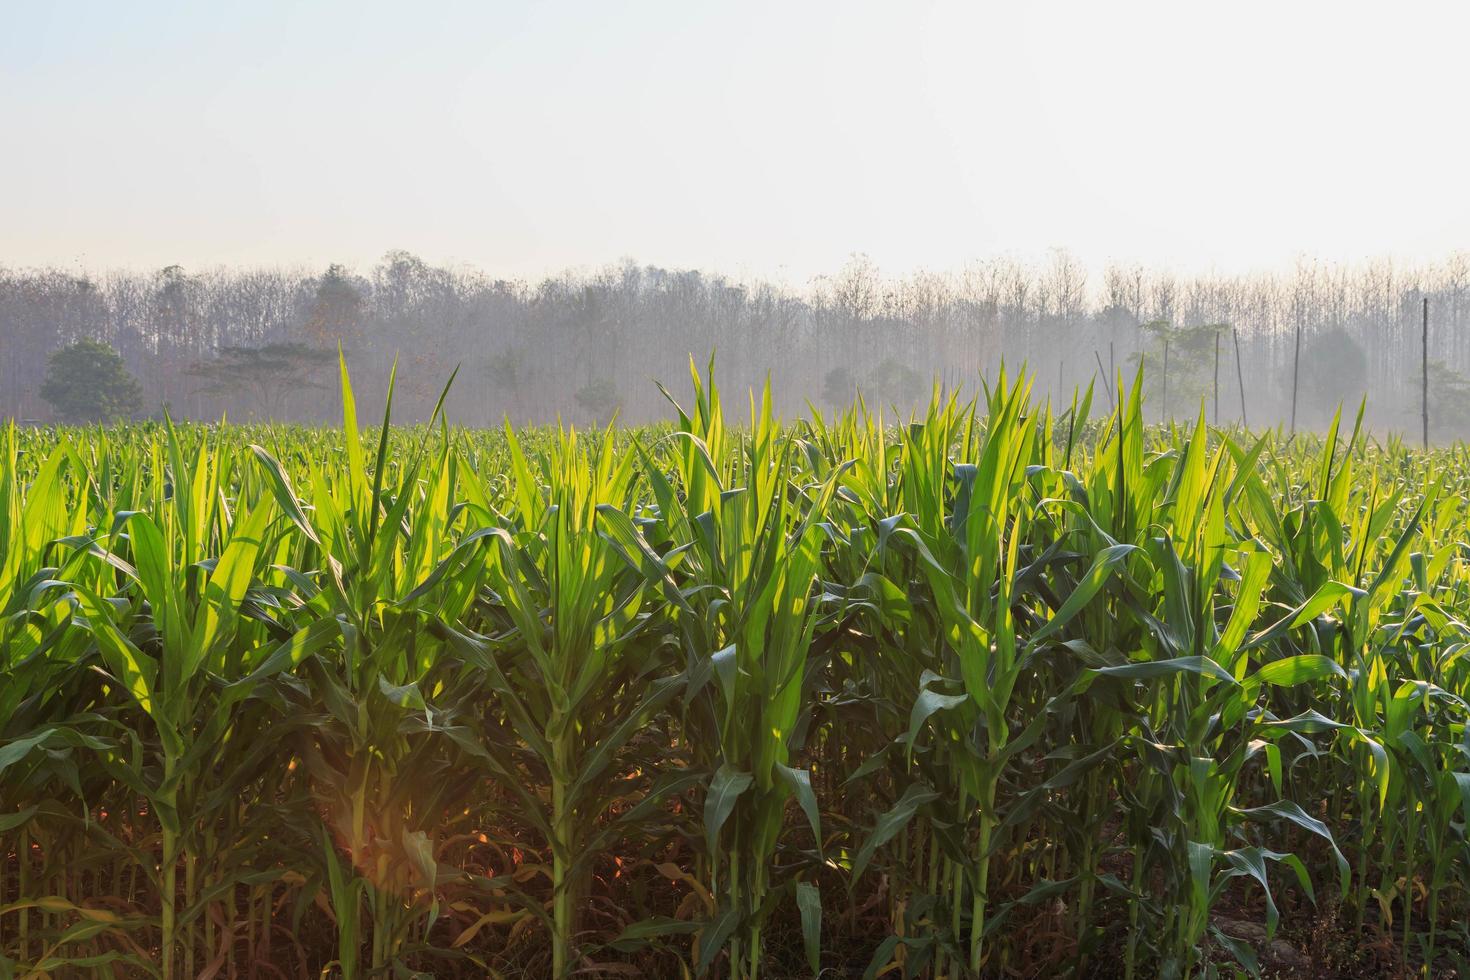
<point>768,139</point>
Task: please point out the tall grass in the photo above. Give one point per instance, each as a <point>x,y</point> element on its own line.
<point>994,690</point>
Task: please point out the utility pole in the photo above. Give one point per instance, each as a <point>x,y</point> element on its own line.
<point>1114,372</point>
<point>1107,385</point>
<point>1217,377</point>
<point>1424,372</point>
<point>1296,368</point>
<point>1240,377</point>
<point>1164,415</point>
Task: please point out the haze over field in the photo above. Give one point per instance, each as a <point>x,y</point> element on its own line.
<point>585,345</point>
<point>1266,166</point>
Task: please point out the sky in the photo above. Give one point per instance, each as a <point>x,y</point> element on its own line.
<point>769,140</point>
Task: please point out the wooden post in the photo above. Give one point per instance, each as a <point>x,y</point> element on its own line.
<point>1296,367</point>
<point>1164,414</point>
<point>1424,372</point>
<point>1217,377</point>
<point>1240,377</point>
<point>1107,385</point>
<point>1118,395</point>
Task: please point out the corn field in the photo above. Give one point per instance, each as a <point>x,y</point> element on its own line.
<point>1007,690</point>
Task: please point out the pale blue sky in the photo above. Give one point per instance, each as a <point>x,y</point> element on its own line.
<point>768,139</point>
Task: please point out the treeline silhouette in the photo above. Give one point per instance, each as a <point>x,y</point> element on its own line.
<point>260,343</point>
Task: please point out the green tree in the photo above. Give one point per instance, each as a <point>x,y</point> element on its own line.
<point>268,374</point>
<point>88,382</point>
<point>599,399</point>
<point>892,383</point>
<point>509,371</point>
<point>839,387</point>
<point>1190,378</point>
<point>1334,372</point>
<point>1449,402</point>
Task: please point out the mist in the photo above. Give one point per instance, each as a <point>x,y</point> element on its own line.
<point>585,346</point>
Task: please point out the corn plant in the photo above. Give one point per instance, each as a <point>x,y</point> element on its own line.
<point>990,691</point>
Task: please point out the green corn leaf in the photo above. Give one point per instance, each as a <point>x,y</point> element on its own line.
<point>725,788</point>
<point>893,820</point>
<point>809,904</point>
<point>1299,669</point>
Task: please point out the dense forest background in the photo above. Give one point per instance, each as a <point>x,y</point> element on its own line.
<point>260,343</point>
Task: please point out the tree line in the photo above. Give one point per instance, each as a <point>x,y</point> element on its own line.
<point>262,343</point>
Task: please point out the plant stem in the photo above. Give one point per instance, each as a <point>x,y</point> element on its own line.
<point>982,875</point>
<point>170,855</point>
<point>561,832</point>
<point>23,884</point>
<point>191,866</point>
<point>734,887</point>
